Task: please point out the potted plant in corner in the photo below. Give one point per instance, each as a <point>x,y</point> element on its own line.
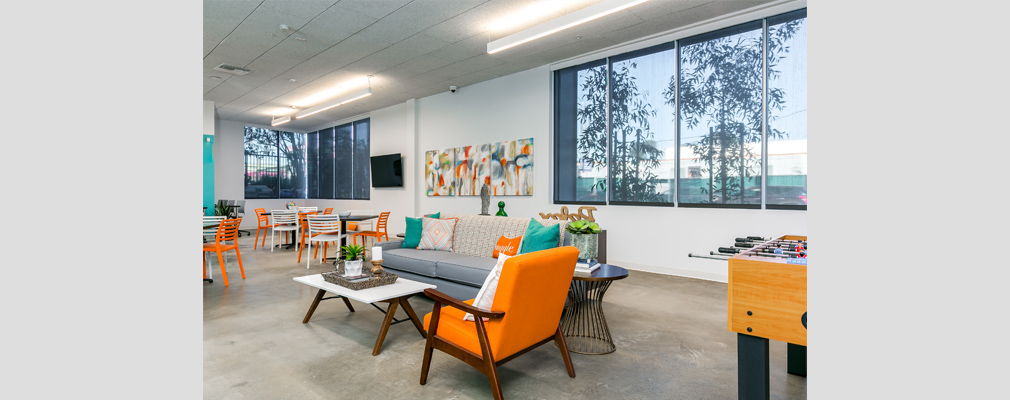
<point>354,255</point>
<point>585,236</point>
<point>222,209</point>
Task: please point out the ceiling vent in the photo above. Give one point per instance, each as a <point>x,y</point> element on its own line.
<point>231,69</point>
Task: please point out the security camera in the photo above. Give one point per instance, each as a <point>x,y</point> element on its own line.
<point>452,89</point>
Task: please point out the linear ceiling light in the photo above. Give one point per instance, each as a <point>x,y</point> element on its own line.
<point>561,23</point>
<point>280,121</point>
<point>335,102</point>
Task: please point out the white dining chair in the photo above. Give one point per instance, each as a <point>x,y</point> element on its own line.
<point>211,220</point>
<point>361,225</point>
<point>282,221</point>
<point>300,209</point>
<point>323,228</point>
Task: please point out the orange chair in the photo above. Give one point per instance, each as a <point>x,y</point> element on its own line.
<point>525,314</point>
<point>380,230</point>
<point>328,211</point>
<point>264,224</point>
<point>227,232</point>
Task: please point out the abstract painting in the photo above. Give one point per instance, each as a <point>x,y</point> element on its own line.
<point>472,169</point>
<point>512,168</point>
<point>438,176</point>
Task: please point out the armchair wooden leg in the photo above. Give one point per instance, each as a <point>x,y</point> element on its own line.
<point>432,328</point>
<point>559,338</point>
<point>489,368</point>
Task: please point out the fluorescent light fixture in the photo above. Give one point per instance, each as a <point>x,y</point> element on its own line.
<point>561,23</point>
<point>335,102</point>
<point>280,121</point>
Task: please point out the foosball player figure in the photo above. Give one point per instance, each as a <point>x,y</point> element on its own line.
<point>800,246</point>
<point>802,254</point>
<point>778,249</point>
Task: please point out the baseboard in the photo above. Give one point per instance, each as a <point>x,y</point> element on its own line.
<point>708,276</point>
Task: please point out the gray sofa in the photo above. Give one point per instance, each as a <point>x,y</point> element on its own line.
<point>461,272</point>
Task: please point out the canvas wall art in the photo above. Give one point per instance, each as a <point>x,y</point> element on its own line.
<point>512,168</point>
<point>472,169</point>
<point>438,172</point>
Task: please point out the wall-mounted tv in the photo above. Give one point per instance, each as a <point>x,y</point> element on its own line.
<point>387,171</point>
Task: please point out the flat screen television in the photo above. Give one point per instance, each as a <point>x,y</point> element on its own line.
<point>387,171</point>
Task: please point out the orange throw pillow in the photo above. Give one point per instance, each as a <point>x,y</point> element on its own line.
<point>507,246</point>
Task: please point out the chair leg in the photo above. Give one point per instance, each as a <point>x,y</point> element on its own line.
<point>239,256</point>
<point>559,338</point>
<point>300,247</point>
<point>224,274</point>
<point>256,241</point>
<point>489,368</point>
<point>428,348</point>
<point>204,265</point>
<point>272,232</point>
<point>307,258</point>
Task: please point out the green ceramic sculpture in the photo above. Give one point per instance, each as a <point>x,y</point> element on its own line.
<point>501,209</point>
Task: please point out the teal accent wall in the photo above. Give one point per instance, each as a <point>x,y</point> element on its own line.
<point>208,174</point>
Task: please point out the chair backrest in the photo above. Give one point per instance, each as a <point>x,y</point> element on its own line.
<point>284,217</point>
<point>261,216</point>
<point>383,218</point>
<point>212,220</point>
<point>300,209</point>
<point>328,211</point>
<point>241,207</point>
<point>531,291</point>
<point>323,224</point>
<point>361,212</point>
<point>228,231</point>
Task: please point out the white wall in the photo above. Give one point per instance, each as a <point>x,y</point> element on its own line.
<point>208,117</point>
<point>655,239</point>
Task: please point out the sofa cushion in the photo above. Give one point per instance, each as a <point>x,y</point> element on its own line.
<point>421,262</point>
<point>476,235</point>
<point>539,237</point>
<point>464,269</point>
<point>437,234</point>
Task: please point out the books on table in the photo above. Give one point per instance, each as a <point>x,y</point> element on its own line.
<point>587,266</point>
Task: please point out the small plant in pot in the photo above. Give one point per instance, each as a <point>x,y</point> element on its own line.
<point>584,237</point>
<point>354,255</point>
<point>221,209</point>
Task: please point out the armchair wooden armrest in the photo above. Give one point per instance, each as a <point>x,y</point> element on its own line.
<point>440,297</point>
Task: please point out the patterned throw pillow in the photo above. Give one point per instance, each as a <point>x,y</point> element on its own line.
<point>436,234</point>
<point>507,246</point>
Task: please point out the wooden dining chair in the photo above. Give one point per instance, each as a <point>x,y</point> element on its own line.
<point>525,313</point>
<point>226,232</point>
<point>263,224</point>
<point>283,221</point>
<point>379,232</point>
<point>323,229</point>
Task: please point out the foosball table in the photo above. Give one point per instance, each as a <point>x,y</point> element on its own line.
<point>767,300</point>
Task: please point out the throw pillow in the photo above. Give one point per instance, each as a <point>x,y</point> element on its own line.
<point>539,237</point>
<point>507,246</point>
<point>436,234</point>
<point>435,215</point>
<point>412,235</point>
<point>485,297</point>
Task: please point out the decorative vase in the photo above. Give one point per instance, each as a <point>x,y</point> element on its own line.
<point>352,267</point>
<point>501,209</point>
<point>587,244</point>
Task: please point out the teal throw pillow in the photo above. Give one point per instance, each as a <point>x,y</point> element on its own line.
<point>412,236</point>
<point>539,237</point>
<point>435,215</point>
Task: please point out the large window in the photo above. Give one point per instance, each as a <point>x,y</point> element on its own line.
<point>713,120</point>
<point>338,159</point>
<point>274,164</point>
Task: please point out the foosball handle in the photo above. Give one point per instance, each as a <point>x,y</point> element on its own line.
<point>728,250</point>
<point>755,238</point>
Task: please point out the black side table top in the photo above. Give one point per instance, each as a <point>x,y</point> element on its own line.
<point>606,272</point>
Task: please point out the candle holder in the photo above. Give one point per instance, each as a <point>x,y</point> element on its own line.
<point>377,267</point>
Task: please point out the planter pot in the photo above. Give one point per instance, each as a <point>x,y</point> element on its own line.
<point>352,267</point>
<point>586,243</point>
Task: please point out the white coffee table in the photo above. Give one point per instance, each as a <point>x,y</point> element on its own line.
<point>396,294</point>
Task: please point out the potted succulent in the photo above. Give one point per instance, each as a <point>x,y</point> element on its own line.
<point>584,237</point>
<point>354,255</point>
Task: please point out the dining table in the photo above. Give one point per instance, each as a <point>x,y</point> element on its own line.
<point>343,226</point>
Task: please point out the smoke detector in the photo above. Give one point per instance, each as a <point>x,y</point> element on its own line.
<point>231,69</point>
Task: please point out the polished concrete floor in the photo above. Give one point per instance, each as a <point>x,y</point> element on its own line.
<point>670,333</point>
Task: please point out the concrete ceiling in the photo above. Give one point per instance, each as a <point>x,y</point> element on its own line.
<point>411,48</point>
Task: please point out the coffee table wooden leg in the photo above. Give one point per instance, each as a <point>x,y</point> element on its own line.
<point>385,325</point>
<point>315,302</point>
<point>413,317</point>
<point>348,304</point>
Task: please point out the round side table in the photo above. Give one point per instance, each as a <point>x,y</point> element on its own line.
<point>582,321</point>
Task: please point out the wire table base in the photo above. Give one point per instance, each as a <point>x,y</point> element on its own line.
<point>582,321</point>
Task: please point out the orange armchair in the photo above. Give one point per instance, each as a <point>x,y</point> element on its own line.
<point>525,314</point>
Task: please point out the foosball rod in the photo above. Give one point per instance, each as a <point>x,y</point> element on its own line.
<point>764,250</point>
<point>761,254</point>
<point>710,258</point>
<point>755,245</point>
<point>782,242</point>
